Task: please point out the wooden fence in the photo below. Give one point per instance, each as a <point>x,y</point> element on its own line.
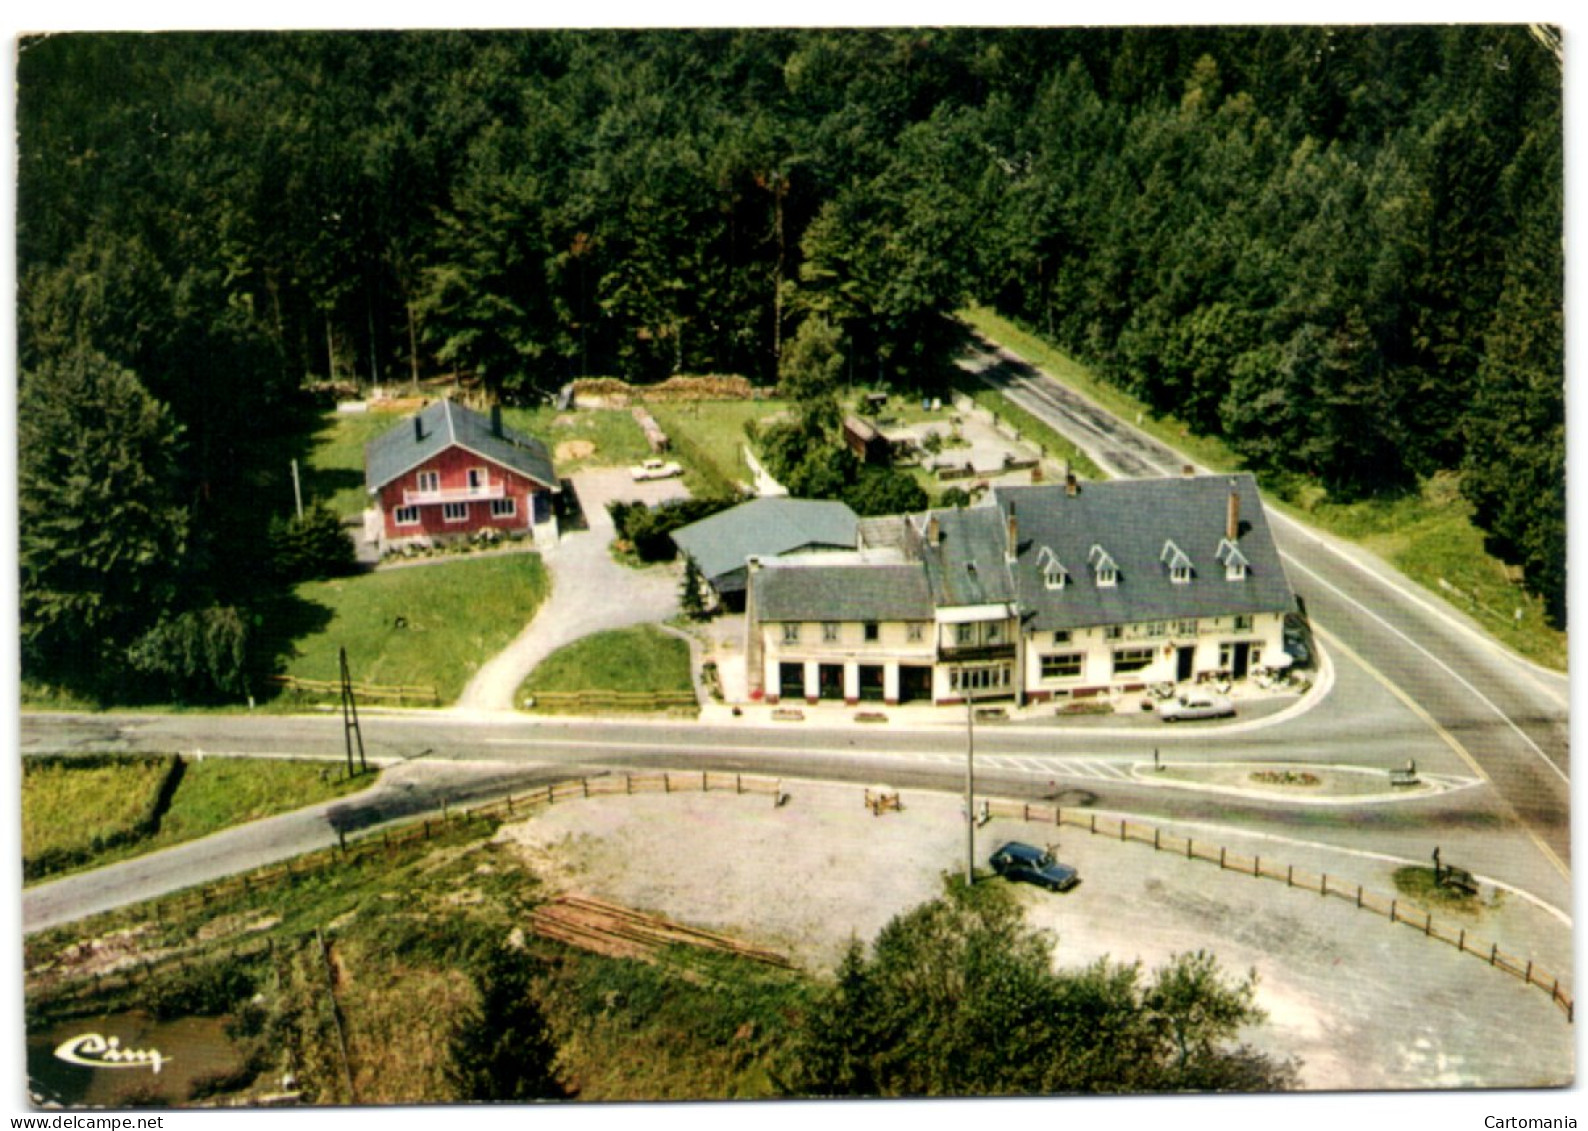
<point>1423,922</point>
<point>401,693</point>
<point>700,781</point>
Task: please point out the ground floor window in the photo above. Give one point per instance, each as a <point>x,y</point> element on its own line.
<point>993,678</point>
<point>1131,659</point>
<point>455,512</point>
<point>791,680</point>
<point>407,516</point>
<point>1064,665</point>
<point>504,508</point>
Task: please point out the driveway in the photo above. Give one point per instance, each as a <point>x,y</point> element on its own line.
<point>589,591</point>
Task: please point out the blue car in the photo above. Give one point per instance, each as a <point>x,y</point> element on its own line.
<point>1016,861</point>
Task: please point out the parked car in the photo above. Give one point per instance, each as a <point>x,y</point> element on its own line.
<point>654,469</point>
<point>1016,861</point>
<point>1195,705</point>
<point>1298,640</point>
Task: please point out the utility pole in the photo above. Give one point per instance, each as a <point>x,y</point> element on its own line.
<point>350,727</point>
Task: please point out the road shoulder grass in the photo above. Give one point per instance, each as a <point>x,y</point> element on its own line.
<point>1428,534</point>
<point>93,803</point>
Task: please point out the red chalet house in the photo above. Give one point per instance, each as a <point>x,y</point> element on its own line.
<point>448,472</point>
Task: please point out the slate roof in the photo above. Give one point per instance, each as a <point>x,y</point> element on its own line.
<point>847,592</point>
<point>1132,520</point>
<point>445,424</point>
<point>768,528</point>
<point>967,565</point>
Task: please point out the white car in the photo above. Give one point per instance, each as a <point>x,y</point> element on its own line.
<point>654,469</point>
<point>1195,705</point>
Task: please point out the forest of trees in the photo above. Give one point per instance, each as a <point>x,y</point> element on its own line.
<point>1337,248</point>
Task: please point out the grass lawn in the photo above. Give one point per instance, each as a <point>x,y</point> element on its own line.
<point>69,805</point>
<point>642,658</point>
<point>334,472</point>
<point>1427,535</point>
<point>429,626</point>
<point>70,808</point>
<point>601,437</point>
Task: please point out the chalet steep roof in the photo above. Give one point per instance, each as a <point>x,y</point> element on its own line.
<point>767,527</point>
<point>1144,525</point>
<point>445,424</point>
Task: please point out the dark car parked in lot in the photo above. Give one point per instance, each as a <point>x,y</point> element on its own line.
<point>1016,861</point>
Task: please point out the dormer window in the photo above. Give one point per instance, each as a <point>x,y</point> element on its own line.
<point>1179,565</point>
<point>1235,564</point>
<point>1104,571</point>
<point>1053,573</point>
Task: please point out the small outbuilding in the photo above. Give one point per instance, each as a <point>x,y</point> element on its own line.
<point>764,528</point>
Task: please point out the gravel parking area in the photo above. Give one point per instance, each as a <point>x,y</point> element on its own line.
<point>1364,1004</point>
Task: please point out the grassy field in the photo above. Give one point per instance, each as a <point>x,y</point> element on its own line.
<point>1428,535</point>
<point>334,471</point>
<point>607,437</point>
<point>75,806</point>
<point>643,658</point>
<point>73,810</point>
<point>430,625</point>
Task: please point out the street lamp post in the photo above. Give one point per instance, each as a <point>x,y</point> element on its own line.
<point>970,787</point>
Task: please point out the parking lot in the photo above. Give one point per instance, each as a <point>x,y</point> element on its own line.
<point>1365,1005</point>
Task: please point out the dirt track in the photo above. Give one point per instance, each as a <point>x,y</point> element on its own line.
<point>1364,1004</point>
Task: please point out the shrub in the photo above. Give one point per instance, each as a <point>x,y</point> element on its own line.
<point>310,547</point>
<point>197,655</point>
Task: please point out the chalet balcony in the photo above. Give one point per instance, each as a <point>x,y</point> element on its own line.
<point>455,495</point>
<point>969,653</point>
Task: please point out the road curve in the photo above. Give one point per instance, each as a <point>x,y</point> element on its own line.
<point>1507,714</point>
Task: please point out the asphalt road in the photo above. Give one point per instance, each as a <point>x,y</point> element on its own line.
<point>1507,716</point>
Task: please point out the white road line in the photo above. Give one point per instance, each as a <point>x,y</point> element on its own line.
<point>1482,698</point>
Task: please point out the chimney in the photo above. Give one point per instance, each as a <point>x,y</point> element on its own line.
<point>1232,515</point>
<point>1072,487</point>
<point>419,429</point>
<point>496,421</point>
<point>1012,546</point>
<point>934,531</point>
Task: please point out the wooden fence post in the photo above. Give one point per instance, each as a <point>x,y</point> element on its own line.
<point>1188,847</point>
<point>586,783</point>
<point>1392,911</point>
<point>1428,924</point>
<point>1156,840</point>
<point>703,781</point>
<point>628,783</point>
<point>1494,953</point>
<point>1290,875</point>
<point>1461,945</point>
<point>667,783</point>
<point>1359,897</point>
<point>1529,976</point>
<point>1221,858</point>
<point>1094,824</point>
<point>738,783</point>
<point>1257,866</point>
<point>1323,889</point>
